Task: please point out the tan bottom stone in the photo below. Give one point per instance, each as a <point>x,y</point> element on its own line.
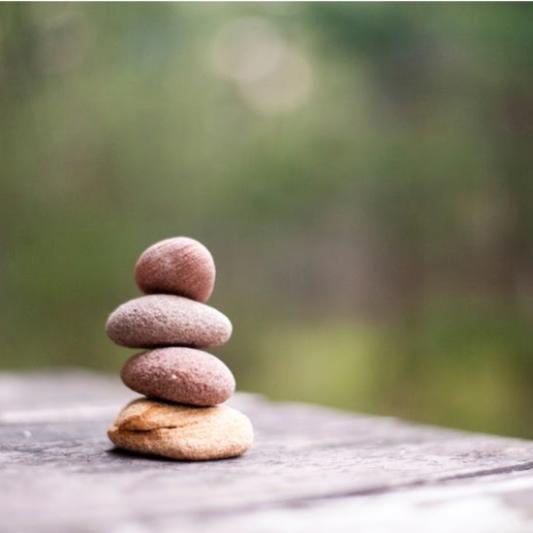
<point>181,432</point>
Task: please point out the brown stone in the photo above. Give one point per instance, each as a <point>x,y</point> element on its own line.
<point>179,265</point>
<point>182,432</point>
<point>181,375</point>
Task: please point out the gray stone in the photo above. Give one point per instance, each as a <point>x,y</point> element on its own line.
<point>167,320</point>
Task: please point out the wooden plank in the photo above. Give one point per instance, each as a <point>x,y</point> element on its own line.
<point>492,504</point>
<point>308,461</point>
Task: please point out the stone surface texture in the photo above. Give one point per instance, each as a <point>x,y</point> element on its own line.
<point>179,265</point>
<point>181,375</point>
<point>311,469</point>
<point>181,432</point>
<point>167,320</point>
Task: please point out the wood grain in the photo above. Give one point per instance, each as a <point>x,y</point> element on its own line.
<point>310,465</point>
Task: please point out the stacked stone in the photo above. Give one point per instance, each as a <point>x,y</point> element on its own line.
<point>181,416</point>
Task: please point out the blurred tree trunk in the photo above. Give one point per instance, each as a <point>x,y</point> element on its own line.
<point>513,148</point>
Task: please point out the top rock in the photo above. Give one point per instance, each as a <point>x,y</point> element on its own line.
<point>179,265</point>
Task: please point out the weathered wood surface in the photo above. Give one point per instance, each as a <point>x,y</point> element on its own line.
<point>312,469</point>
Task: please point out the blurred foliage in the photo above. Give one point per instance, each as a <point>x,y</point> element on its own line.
<point>361,173</point>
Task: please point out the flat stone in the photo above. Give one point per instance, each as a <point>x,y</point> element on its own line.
<point>179,265</point>
<point>167,320</point>
<point>181,375</point>
<point>181,432</point>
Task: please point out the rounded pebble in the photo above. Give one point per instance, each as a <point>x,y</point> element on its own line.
<point>167,320</point>
<point>179,265</point>
<point>182,432</point>
<point>181,375</point>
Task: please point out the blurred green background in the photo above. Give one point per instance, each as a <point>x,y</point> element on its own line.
<point>362,174</point>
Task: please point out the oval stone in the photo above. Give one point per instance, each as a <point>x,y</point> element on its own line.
<point>181,432</point>
<point>167,320</point>
<point>181,375</point>
<point>179,265</point>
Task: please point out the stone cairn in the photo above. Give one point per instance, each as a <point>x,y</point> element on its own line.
<point>181,416</point>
